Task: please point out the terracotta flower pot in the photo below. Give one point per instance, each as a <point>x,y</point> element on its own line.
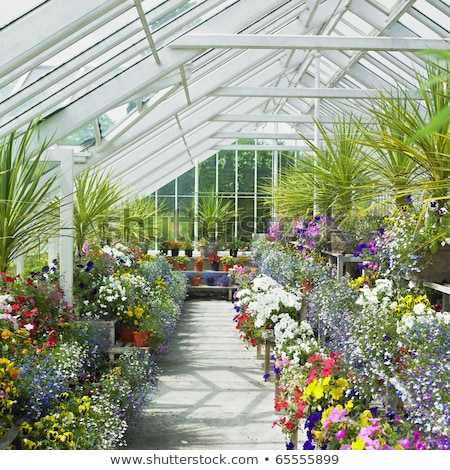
<point>182,266</point>
<point>226,267</point>
<point>141,339</point>
<point>126,334</point>
<point>195,281</point>
<point>198,267</point>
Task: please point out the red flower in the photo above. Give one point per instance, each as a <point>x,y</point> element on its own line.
<point>51,341</point>
<point>289,425</point>
<point>29,282</point>
<point>28,314</point>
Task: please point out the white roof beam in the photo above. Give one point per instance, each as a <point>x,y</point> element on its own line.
<point>257,41</point>
<point>260,118</point>
<point>117,91</point>
<point>259,135</point>
<point>146,28</point>
<point>54,26</point>
<point>274,92</point>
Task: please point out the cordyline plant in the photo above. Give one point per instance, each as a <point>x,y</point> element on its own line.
<point>28,216</point>
<point>94,201</point>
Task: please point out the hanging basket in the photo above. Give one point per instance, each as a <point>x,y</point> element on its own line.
<point>141,338</point>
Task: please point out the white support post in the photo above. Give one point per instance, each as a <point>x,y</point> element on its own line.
<point>195,201</point>
<point>66,241</point>
<point>316,114</point>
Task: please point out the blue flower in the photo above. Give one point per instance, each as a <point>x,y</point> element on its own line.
<point>290,446</point>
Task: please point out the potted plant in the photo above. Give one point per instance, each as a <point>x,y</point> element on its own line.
<point>214,261</point>
<point>210,278</point>
<point>193,279</point>
<point>175,246</point>
<point>188,248</point>
<point>242,260</point>
<point>182,261</point>
<point>198,264</point>
<point>227,262</point>
<point>203,247</point>
<point>148,330</point>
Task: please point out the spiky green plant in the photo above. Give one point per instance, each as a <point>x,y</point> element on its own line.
<point>27,214</point>
<point>214,212</point>
<point>94,201</point>
<point>403,130</point>
<point>331,178</point>
<point>137,223</point>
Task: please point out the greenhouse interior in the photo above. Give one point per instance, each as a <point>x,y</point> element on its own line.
<point>287,161</point>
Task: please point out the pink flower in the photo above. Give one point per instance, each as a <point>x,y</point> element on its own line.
<point>340,434</point>
<point>336,416</point>
<point>405,443</point>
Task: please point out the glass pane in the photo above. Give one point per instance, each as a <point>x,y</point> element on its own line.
<point>186,183</point>
<point>168,189</point>
<point>246,220</point>
<point>227,166</point>
<point>207,175</point>
<point>246,172</point>
<point>186,217</point>
<point>264,166</point>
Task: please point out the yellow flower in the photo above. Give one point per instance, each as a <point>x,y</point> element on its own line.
<point>7,334</point>
<point>349,405</point>
<point>337,392</point>
<point>318,392</point>
<point>358,444</point>
<point>318,435</point>
<point>341,382</point>
<point>29,444</point>
<point>25,428</point>
<point>364,417</point>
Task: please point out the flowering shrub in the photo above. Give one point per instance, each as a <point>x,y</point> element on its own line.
<point>8,393</point>
<point>37,306</point>
<point>340,429</point>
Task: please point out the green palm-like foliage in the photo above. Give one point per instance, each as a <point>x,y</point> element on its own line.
<point>94,201</point>
<point>27,216</point>
<point>332,178</point>
<point>214,212</point>
<point>137,221</point>
<point>403,130</point>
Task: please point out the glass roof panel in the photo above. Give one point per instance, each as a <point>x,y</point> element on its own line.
<point>15,9</point>
<point>417,27</point>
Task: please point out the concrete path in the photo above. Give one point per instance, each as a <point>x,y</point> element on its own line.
<point>211,393</point>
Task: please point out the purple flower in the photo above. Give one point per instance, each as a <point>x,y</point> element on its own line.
<point>290,446</point>
<point>308,445</point>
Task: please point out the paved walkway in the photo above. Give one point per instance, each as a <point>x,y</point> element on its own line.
<point>211,393</point>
